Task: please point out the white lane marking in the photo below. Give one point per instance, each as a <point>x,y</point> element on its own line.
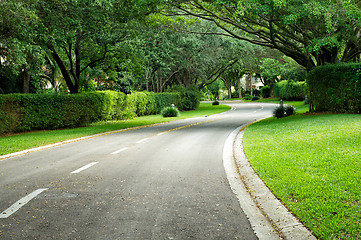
<point>143,140</point>
<point>85,167</point>
<point>16,206</point>
<point>120,150</point>
<point>259,109</point>
<point>161,133</point>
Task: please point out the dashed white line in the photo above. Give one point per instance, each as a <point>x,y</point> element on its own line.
<point>119,151</point>
<point>143,140</point>
<point>16,206</point>
<point>85,167</point>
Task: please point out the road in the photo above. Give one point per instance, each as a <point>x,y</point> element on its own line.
<point>161,182</point>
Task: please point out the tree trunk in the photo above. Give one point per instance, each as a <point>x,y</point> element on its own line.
<point>239,87</point>
<point>72,87</point>
<point>26,81</point>
<point>250,83</point>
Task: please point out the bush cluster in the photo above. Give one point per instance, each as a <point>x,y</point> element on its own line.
<point>189,97</point>
<point>266,91</point>
<point>336,87</point>
<point>290,90</point>
<point>24,112</point>
<point>247,97</point>
<point>283,111</point>
<point>170,112</point>
<point>215,103</point>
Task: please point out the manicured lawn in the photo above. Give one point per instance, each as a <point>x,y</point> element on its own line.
<point>313,165</point>
<point>24,141</point>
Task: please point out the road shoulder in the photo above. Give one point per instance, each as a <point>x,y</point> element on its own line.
<point>269,218</point>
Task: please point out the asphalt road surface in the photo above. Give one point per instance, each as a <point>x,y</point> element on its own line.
<point>160,182</point>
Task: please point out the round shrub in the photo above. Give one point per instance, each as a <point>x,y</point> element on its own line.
<point>266,91</point>
<point>247,97</point>
<point>289,110</point>
<point>170,112</point>
<point>255,98</point>
<point>279,112</point>
<point>215,103</point>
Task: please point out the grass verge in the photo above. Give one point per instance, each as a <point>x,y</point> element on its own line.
<point>312,163</point>
<point>19,142</point>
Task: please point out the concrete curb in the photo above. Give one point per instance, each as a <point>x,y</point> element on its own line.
<point>269,218</point>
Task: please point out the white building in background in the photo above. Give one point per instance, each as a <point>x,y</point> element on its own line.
<point>256,82</point>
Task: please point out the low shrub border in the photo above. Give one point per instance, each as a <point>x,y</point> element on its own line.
<point>25,112</point>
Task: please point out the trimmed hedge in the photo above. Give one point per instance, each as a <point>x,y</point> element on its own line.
<point>24,112</point>
<point>336,87</point>
<point>189,97</point>
<point>290,90</point>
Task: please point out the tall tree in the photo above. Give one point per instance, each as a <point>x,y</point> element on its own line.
<point>312,32</point>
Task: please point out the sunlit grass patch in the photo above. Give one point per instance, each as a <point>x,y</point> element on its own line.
<point>24,141</point>
<point>313,164</point>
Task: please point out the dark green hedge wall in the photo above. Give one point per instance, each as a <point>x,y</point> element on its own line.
<point>290,90</point>
<point>336,87</point>
<point>24,112</point>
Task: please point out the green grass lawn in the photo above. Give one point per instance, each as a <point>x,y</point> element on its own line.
<point>312,163</point>
<point>18,142</point>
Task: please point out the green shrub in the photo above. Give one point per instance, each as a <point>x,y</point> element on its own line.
<point>290,90</point>
<point>256,92</point>
<point>289,110</point>
<point>247,97</point>
<point>215,103</point>
<point>24,112</point>
<point>166,100</point>
<point>189,97</point>
<point>336,87</point>
<point>170,112</point>
<point>279,112</point>
<point>255,98</point>
<point>266,91</point>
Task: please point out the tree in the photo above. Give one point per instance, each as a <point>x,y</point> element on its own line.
<point>311,32</point>
<point>76,34</point>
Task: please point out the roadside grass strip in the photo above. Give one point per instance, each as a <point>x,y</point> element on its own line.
<point>312,163</point>
<point>20,142</point>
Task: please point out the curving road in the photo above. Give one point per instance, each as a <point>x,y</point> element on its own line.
<point>161,182</point>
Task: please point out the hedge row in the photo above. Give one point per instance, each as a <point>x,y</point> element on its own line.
<point>290,90</point>
<point>336,87</point>
<point>24,112</point>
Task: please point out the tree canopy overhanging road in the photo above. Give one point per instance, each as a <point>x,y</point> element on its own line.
<point>160,182</point>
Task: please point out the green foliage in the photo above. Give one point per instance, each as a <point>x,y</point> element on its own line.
<point>300,29</point>
<point>170,112</point>
<point>215,103</point>
<point>289,110</point>
<point>167,99</point>
<point>247,97</point>
<point>189,97</point>
<point>284,111</point>
<point>270,70</point>
<point>19,142</point>
<point>279,112</point>
<point>266,91</point>
<point>336,87</point>
<point>19,112</point>
<point>255,98</point>
<point>290,90</point>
